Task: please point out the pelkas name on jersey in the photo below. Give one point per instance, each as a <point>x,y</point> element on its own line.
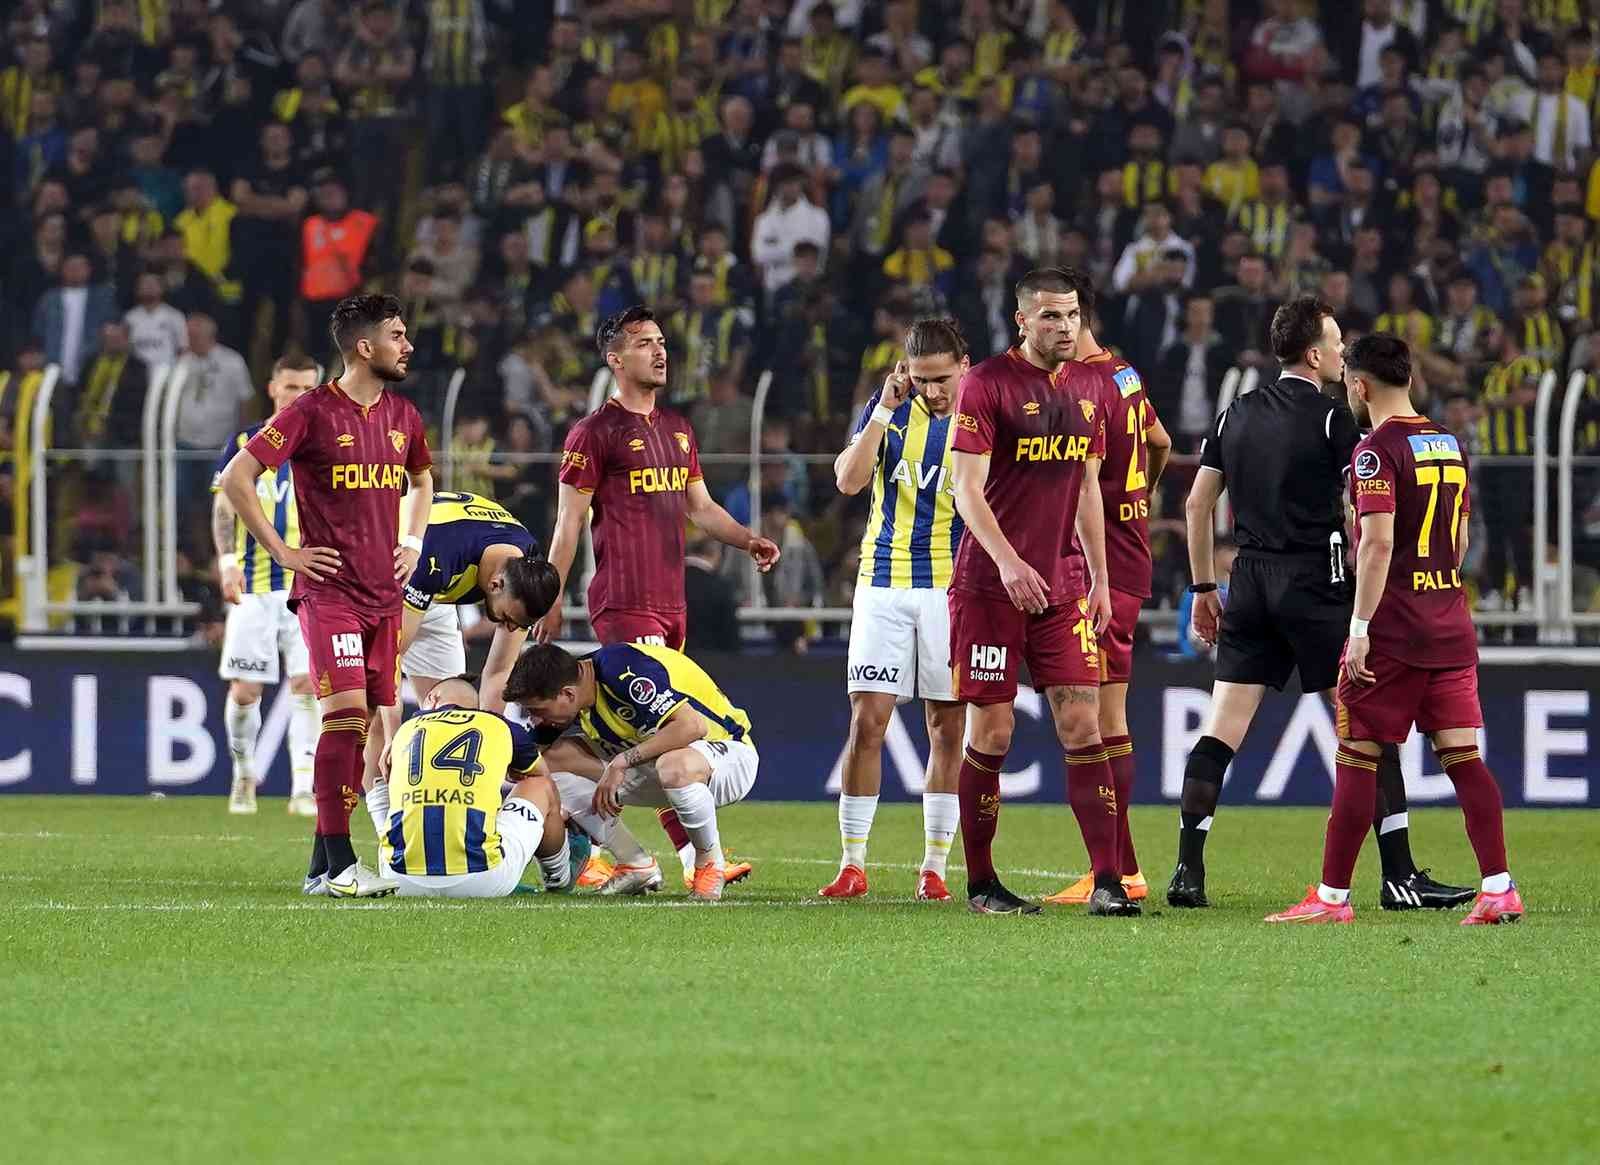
<point>654,479</point>
<point>436,797</point>
<point>1059,447</point>
<point>367,476</point>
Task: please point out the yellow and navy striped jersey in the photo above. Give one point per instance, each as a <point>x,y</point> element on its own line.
<point>275,489</point>
<point>444,789</point>
<point>461,526</point>
<point>912,527</point>
<point>638,686</point>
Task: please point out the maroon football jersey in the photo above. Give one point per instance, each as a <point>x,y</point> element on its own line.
<point>1413,469</point>
<point>1124,476</point>
<point>639,469</point>
<point>1039,433</point>
<point>350,465</point>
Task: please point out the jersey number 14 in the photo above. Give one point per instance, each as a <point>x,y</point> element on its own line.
<point>459,756</point>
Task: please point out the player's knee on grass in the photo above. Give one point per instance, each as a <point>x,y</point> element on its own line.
<point>300,685</point>
<point>991,728</point>
<point>869,718</point>
<point>1076,712</point>
<point>244,692</point>
<point>681,767</point>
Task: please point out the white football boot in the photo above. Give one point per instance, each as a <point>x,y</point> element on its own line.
<point>633,879</point>
<point>359,882</point>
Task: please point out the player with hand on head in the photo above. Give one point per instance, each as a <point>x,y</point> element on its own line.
<point>1030,436</point>
<point>668,735</point>
<point>634,463</point>
<point>260,626</point>
<point>1137,447</point>
<point>900,628</point>
<point>445,831</point>
<point>360,460</point>
<point>1412,653</point>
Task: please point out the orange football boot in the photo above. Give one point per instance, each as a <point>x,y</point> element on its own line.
<point>851,883</point>
<point>931,888</point>
<point>1313,909</point>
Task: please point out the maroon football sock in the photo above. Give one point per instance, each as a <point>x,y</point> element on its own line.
<point>1119,754</point>
<point>1355,791</point>
<point>676,833</point>
<point>979,791</point>
<point>1479,797</point>
<point>1092,793</point>
<point>336,769</point>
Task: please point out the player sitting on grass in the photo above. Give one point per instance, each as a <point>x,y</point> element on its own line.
<point>1412,654</point>
<point>446,831</point>
<point>669,736</point>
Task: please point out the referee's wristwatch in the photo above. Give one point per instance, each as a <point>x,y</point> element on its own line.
<point>1202,588</point>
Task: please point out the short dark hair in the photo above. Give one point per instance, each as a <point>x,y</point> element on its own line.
<point>608,336</point>
<point>1059,280</point>
<point>1386,359</point>
<point>1297,326</point>
<point>357,315</point>
<point>935,337</point>
<point>541,672</point>
<point>532,581</point>
<point>293,362</point>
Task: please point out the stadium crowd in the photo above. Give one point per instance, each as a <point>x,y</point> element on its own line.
<point>787,183</point>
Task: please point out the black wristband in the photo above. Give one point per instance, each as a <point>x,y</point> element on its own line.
<point>1202,588</point>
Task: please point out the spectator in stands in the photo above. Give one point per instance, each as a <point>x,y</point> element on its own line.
<point>708,341</point>
<point>454,264</point>
<point>712,600</point>
<point>110,405</point>
<point>215,388</point>
<point>335,248</point>
<point>271,198</point>
<point>797,579</point>
<point>68,318</point>
<point>156,329</point>
<point>205,225</point>
<point>375,67</point>
<point>453,63</point>
<point>313,27</point>
<point>1189,373</point>
<point>721,423</point>
<point>789,219</point>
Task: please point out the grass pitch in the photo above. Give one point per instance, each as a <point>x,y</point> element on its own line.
<point>169,997</point>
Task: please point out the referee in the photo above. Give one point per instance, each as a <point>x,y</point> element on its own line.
<point>1282,453</point>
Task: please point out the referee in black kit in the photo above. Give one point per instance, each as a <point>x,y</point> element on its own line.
<point>1282,453</point>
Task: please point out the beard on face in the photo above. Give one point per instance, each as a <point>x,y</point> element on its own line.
<point>389,373</point>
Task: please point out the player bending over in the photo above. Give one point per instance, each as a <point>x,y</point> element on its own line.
<point>1030,437</point>
<point>900,629</point>
<point>667,733</point>
<point>1412,655</point>
<point>355,447</point>
<point>1136,452</point>
<point>260,625</point>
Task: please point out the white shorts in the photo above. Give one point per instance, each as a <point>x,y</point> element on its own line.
<point>521,828</point>
<point>438,652</point>
<point>733,774</point>
<point>900,643</point>
<point>259,629</point>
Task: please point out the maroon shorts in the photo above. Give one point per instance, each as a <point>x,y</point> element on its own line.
<point>990,640</point>
<point>1431,698</point>
<point>1116,645</point>
<point>352,650</point>
<point>658,628</point>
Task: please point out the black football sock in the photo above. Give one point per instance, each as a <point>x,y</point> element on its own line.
<point>1202,787</point>
<point>341,854</point>
<point>1390,820</point>
<point>319,858</point>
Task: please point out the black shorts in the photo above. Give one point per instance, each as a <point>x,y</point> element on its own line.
<point>1283,614</point>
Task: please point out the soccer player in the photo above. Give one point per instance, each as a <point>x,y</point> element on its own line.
<point>355,447</point>
<point>1282,452</point>
<point>260,625</point>
<point>1137,447</point>
<point>636,465</point>
<point>668,735</point>
<point>900,626</point>
<point>1030,436</point>
<point>1412,654</point>
<point>451,835</point>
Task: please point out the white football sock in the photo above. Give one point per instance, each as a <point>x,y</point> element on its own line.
<point>557,868</point>
<point>941,813</point>
<point>697,810</point>
<point>855,826</point>
<point>686,858</point>
<point>378,808</point>
<point>1497,883</point>
<point>305,725</point>
<point>1332,895</point>
<point>243,722</point>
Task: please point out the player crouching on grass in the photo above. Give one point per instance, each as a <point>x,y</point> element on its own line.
<point>900,633</point>
<point>445,830</point>
<point>669,735</point>
<point>1412,654</point>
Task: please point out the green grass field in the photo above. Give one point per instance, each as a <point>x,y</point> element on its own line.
<point>168,996</point>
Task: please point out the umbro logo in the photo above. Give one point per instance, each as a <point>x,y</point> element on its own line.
<point>1031,408</point>
<point>636,444</point>
<point>345,440</point>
